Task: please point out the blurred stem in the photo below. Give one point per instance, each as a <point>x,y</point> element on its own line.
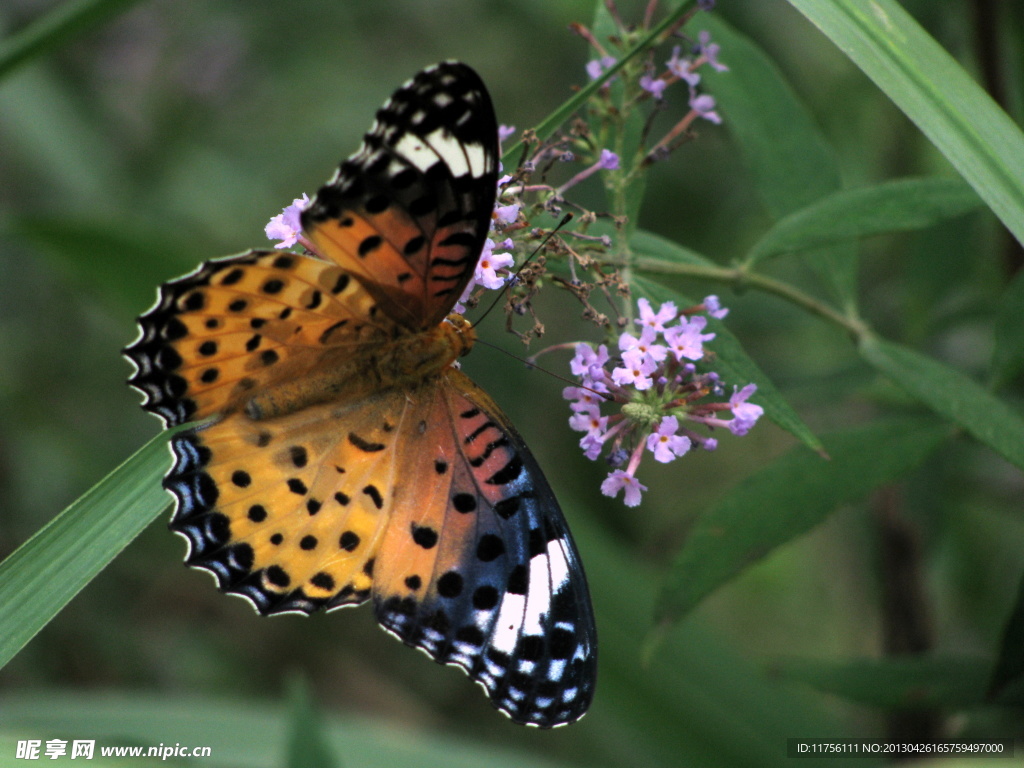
<point>739,277</point>
<point>55,28</point>
<point>906,617</point>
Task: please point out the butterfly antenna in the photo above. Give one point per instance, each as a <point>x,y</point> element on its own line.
<point>515,275</point>
<point>533,366</point>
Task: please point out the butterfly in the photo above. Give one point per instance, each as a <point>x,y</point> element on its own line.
<point>338,455</point>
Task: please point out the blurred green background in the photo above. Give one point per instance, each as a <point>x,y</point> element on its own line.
<point>172,134</point>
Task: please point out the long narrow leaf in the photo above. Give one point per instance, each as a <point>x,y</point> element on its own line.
<point>932,89</point>
<point>308,745</point>
<point>788,498</point>
<point>44,573</point>
<point>894,206</point>
<point>950,394</point>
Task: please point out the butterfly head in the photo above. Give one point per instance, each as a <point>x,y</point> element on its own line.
<point>461,333</point>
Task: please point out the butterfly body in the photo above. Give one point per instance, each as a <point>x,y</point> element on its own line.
<point>338,455</point>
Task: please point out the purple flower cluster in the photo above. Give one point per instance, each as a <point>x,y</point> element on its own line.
<point>678,67</point>
<point>654,380</point>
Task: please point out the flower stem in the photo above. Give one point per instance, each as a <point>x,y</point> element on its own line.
<point>740,277</point>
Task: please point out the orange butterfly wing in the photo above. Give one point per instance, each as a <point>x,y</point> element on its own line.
<point>343,456</point>
<point>478,567</point>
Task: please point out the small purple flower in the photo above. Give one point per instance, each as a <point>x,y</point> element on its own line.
<point>680,67</point>
<point>704,105</point>
<point>664,443</point>
<point>609,160</point>
<point>666,313</point>
<point>583,399</point>
<point>590,422</point>
<point>745,414</point>
<point>504,131</point>
<point>635,373</point>
<point>645,346</point>
<point>586,358</point>
<point>653,85</point>
<point>714,307</point>
<point>592,445</point>
<point>287,226</point>
<point>486,273</point>
<point>686,340</point>
<point>597,67</point>
<point>710,51</point>
<point>506,214</point>
<point>620,480</point>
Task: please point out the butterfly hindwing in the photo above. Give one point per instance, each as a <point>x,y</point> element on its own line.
<point>290,512</point>
<point>477,566</point>
<point>409,211</point>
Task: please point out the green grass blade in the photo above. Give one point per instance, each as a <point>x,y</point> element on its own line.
<point>950,394</point>
<point>786,499</point>
<point>307,744</point>
<point>933,90</point>
<point>44,573</point>
<point>56,27</point>
<point>894,206</point>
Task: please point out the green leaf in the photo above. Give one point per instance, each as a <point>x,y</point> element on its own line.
<point>1008,352</point>
<point>791,162</point>
<point>950,394</point>
<point>1007,683</point>
<point>786,499</point>
<point>44,573</point>
<point>894,206</point>
<point>655,246</point>
<point>904,683</point>
<point>308,746</point>
<point>934,91</point>
<point>61,24</point>
<point>732,361</point>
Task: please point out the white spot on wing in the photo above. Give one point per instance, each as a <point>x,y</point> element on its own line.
<point>509,623</point>
<point>413,149</point>
<point>477,159</point>
<point>451,150</point>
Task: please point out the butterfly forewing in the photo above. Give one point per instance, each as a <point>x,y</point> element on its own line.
<point>247,324</point>
<point>408,213</point>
